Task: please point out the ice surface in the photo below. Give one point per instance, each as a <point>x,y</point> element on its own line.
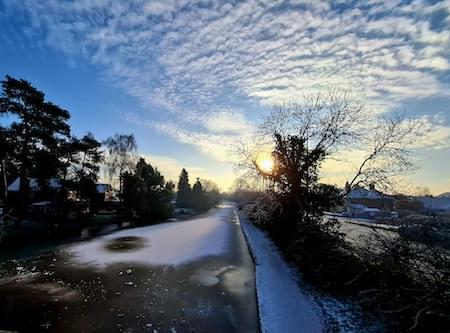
<point>172,243</point>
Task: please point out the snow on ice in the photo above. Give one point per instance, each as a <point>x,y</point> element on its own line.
<point>173,243</point>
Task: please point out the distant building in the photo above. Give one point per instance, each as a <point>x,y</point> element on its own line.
<point>104,191</point>
<point>39,197</point>
<point>33,185</point>
<point>435,205</point>
<point>35,192</point>
<point>106,196</point>
<point>369,203</point>
<point>408,204</point>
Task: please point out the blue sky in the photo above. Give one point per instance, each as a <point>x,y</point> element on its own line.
<point>192,78</point>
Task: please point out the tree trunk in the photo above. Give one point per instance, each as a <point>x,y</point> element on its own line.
<point>23,187</point>
<point>5,182</point>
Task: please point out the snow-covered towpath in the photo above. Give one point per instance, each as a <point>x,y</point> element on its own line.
<point>283,307</point>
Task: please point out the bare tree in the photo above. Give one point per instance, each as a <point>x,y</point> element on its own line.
<point>323,122</point>
<point>326,121</point>
<point>121,150</point>
<point>209,185</point>
<point>336,122</point>
<point>389,152</point>
<point>247,154</point>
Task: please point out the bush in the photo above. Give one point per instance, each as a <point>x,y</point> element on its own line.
<point>403,278</point>
<point>413,272</point>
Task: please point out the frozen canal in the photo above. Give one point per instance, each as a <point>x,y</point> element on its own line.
<point>191,276</point>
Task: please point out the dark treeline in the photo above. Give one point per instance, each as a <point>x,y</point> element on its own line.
<point>146,193</point>
<point>38,148</point>
<point>202,196</point>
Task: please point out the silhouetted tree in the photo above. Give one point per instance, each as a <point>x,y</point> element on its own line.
<point>89,158</point>
<point>197,197</point>
<point>38,124</point>
<point>336,123</point>
<point>170,186</point>
<point>211,193</point>
<point>7,169</point>
<point>85,166</point>
<point>121,153</point>
<point>146,193</point>
<point>45,166</point>
<point>389,153</point>
<point>184,190</point>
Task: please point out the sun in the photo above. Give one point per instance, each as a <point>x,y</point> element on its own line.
<point>266,165</point>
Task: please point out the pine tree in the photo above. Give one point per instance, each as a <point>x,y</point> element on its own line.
<point>146,193</point>
<point>184,190</point>
<point>39,126</point>
<point>84,158</point>
<point>90,157</point>
<point>198,198</point>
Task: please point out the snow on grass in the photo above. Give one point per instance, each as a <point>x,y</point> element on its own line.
<point>172,243</point>
<point>283,307</point>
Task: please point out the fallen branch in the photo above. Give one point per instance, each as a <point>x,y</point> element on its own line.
<point>418,315</point>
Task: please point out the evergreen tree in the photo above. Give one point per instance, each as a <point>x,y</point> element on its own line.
<point>38,126</point>
<point>85,157</point>
<point>198,199</point>
<point>45,166</point>
<point>84,165</point>
<point>184,190</point>
<point>146,193</point>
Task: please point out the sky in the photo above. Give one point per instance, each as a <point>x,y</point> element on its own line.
<point>191,79</point>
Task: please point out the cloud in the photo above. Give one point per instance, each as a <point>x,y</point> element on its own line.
<point>436,132</point>
<point>227,121</point>
<point>170,167</point>
<point>342,168</point>
<point>218,146</point>
<point>191,61</point>
<point>216,136</point>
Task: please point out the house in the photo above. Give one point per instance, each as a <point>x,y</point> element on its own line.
<point>33,185</point>
<point>361,211</point>
<point>368,203</point>
<point>104,192</point>
<point>35,192</point>
<point>40,198</point>
<point>106,197</point>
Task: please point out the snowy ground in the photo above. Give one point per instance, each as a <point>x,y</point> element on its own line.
<point>358,231</point>
<point>287,304</point>
<point>283,307</point>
